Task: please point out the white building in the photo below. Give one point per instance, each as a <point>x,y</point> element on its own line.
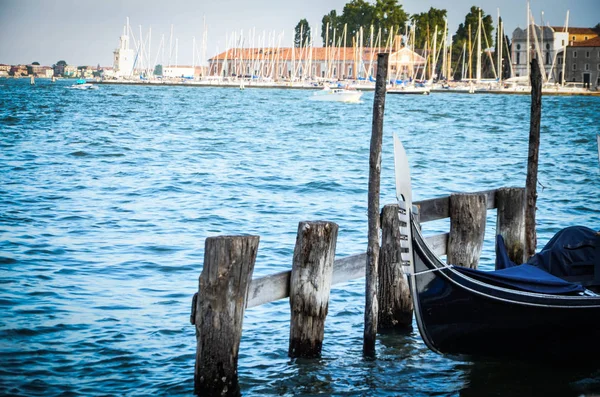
<point>124,57</point>
<point>178,72</point>
<point>550,44</point>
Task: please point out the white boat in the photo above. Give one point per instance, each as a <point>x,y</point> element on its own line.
<point>336,95</point>
<point>410,90</point>
<point>83,85</point>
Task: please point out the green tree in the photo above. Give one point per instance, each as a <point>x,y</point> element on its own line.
<point>61,63</point>
<point>356,14</point>
<point>462,36</point>
<point>158,70</point>
<point>505,67</point>
<point>388,15</point>
<point>302,33</point>
<point>424,25</point>
<point>35,63</point>
<point>329,22</point>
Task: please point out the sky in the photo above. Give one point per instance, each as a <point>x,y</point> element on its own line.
<point>85,32</point>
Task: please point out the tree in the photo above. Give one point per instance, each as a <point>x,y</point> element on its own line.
<point>61,63</point>
<point>302,33</point>
<point>328,24</point>
<point>35,63</point>
<point>505,66</point>
<point>356,14</point>
<point>424,25</point>
<point>388,15</point>
<point>462,36</point>
<point>158,70</point>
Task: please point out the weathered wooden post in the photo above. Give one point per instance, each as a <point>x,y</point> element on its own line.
<point>310,284</point>
<point>510,222</point>
<point>533,158</point>
<point>226,275</point>
<point>371,308</point>
<point>395,304</point>
<point>467,228</point>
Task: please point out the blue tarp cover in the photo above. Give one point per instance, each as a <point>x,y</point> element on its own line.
<point>525,278</point>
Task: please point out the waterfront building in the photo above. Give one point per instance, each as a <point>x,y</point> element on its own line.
<point>314,63</point>
<point>580,44</point>
<point>59,70</point>
<point>124,57</point>
<point>70,71</point>
<point>550,44</point>
<point>186,72</point>
<point>18,70</point>
<point>583,62</point>
<point>40,71</point>
<point>4,70</point>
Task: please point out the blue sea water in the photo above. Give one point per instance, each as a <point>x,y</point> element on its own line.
<point>106,198</point>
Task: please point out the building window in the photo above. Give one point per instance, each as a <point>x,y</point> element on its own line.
<point>585,38</point>
<point>559,60</point>
<point>518,58</point>
<point>587,54</point>
<point>574,66</point>
<point>574,54</point>
<point>547,46</point>
<point>573,38</point>
<point>518,46</point>
<point>547,58</point>
<point>598,67</point>
<point>562,43</point>
<point>586,66</point>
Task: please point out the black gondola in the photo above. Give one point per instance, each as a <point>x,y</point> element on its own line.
<point>521,312</point>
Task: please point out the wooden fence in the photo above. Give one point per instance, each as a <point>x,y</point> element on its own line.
<point>226,287</point>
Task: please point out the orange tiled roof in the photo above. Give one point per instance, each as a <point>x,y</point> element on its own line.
<point>285,54</point>
<point>591,31</point>
<point>595,42</point>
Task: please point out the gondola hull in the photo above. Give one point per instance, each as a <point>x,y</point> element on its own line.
<point>459,315</point>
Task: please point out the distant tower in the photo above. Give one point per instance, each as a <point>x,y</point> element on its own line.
<point>124,56</point>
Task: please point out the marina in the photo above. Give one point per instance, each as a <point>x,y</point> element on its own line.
<point>139,186</point>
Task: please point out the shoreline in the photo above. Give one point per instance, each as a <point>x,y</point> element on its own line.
<point>290,86</point>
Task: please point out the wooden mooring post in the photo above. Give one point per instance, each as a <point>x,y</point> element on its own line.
<point>223,288</point>
<point>510,221</point>
<point>533,158</point>
<point>395,303</point>
<point>467,229</point>
<point>226,287</point>
<point>371,307</point>
<point>310,284</point>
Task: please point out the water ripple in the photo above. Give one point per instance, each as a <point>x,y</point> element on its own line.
<point>104,215</point>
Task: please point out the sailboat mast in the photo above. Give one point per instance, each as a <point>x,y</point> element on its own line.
<point>479,48</point>
<point>528,33</point>
<point>565,52</point>
<point>171,46</point>
<point>470,56</point>
<point>499,47</point>
<point>464,56</point>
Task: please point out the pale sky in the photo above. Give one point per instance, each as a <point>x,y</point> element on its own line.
<point>86,32</point>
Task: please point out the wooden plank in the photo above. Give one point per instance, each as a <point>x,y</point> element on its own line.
<point>277,286</point>
<point>439,208</point>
